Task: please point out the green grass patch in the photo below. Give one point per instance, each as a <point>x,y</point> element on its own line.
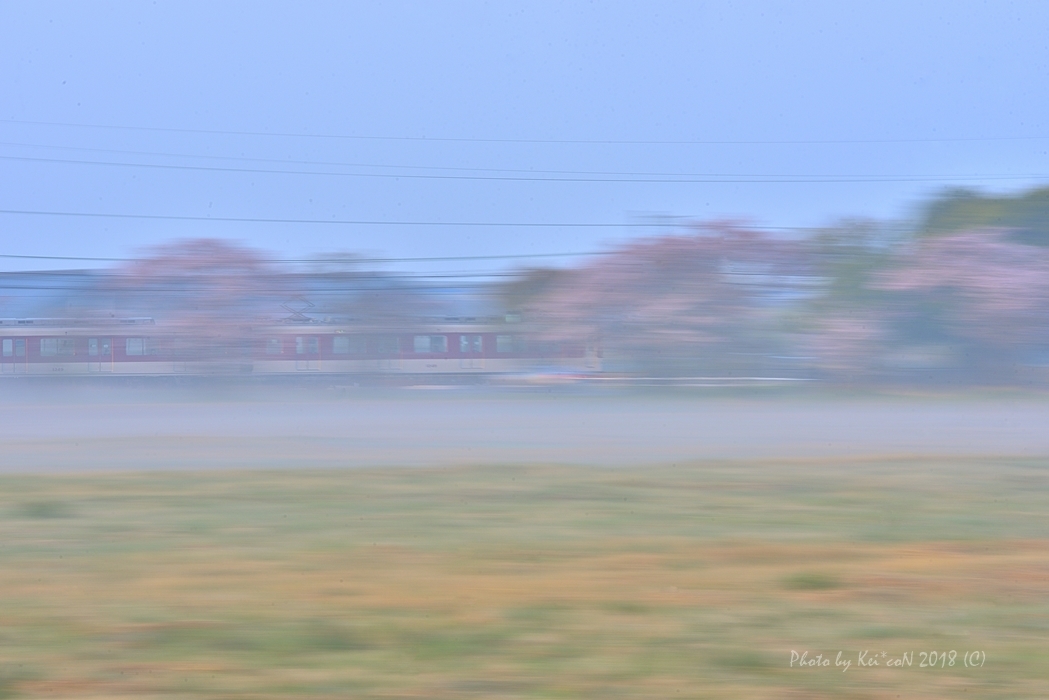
<point>692,581</point>
<point>812,581</point>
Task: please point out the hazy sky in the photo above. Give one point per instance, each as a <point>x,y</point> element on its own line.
<point>495,112</point>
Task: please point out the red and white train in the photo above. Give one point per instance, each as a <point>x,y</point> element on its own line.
<point>139,346</point>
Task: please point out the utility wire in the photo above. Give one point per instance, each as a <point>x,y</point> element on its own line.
<point>351,260</point>
<point>440,139</point>
<point>669,179</point>
<point>650,223</point>
<point>345,222</point>
<point>186,289</point>
<point>577,175</point>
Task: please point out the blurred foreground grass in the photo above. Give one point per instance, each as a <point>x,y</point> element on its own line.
<point>501,582</point>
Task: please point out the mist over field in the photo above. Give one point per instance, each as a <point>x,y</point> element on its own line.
<point>292,428</point>
<point>520,542</point>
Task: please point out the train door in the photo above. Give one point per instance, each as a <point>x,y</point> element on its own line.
<point>470,352</point>
<point>307,353</point>
<point>100,354</point>
<point>13,359</point>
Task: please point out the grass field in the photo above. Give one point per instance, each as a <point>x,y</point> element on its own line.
<point>691,581</point>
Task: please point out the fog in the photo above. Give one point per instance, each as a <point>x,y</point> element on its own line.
<point>84,428</point>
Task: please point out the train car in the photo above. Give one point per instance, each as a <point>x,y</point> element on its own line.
<point>139,346</point>
<point>59,347</point>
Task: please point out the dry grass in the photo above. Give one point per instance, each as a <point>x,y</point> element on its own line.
<point>507,582</point>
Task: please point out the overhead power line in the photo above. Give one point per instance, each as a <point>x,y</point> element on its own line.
<point>441,139</point>
<point>656,223</point>
<point>352,260</point>
<point>611,177</point>
<point>343,222</point>
<point>175,287</point>
<point>517,174</point>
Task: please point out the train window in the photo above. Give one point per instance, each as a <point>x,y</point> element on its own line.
<point>431,343</point>
<point>469,343</point>
<point>50,347</point>
<point>92,346</point>
<point>274,346</point>
<point>8,347</point>
<point>137,346</point>
<point>347,345</point>
<point>19,347</point>
<point>308,345</point>
<point>504,343</point>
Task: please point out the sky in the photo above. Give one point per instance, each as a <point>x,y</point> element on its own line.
<point>452,129</point>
